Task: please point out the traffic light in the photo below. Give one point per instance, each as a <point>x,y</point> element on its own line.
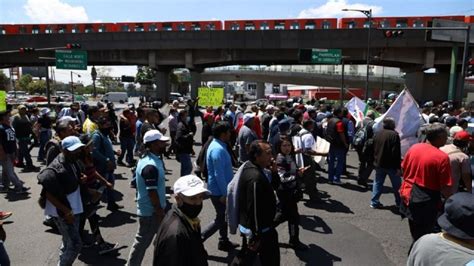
<point>128,78</point>
<point>393,33</point>
<point>26,49</point>
<point>470,68</point>
<point>73,46</point>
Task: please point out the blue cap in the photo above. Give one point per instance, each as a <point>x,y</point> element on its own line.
<point>71,143</point>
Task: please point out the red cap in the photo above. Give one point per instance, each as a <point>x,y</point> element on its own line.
<point>463,135</point>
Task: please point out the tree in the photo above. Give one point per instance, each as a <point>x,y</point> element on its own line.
<point>24,81</point>
<point>106,80</point>
<point>145,75</point>
<point>36,86</point>
<point>4,81</point>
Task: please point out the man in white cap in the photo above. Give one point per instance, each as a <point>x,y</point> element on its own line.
<point>246,136</point>
<point>179,237</point>
<point>151,194</point>
<point>61,196</point>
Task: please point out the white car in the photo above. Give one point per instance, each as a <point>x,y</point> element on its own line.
<point>120,97</point>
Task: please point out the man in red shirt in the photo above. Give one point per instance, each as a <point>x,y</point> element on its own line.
<point>336,134</point>
<point>426,176</point>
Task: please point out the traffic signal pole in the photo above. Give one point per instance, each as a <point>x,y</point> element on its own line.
<point>464,60</point>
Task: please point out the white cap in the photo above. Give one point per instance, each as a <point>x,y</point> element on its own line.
<point>45,111</point>
<point>454,130</point>
<point>175,102</point>
<point>153,135</point>
<point>189,185</point>
<point>67,118</point>
<point>247,117</point>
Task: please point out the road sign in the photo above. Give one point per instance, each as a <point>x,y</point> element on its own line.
<point>326,56</point>
<point>71,59</point>
<point>451,35</point>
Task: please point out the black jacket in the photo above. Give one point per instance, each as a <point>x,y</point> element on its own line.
<point>333,136</point>
<point>177,244</point>
<point>256,196</point>
<point>387,152</point>
<point>184,139</point>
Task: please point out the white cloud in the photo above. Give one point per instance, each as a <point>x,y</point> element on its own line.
<point>54,11</point>
<point>333,8</point>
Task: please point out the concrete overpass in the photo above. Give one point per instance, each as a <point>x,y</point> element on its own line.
<point>198,50</point>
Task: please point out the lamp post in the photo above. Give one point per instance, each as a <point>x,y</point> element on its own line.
<point>94,77</point>
<point>368,14</point>
<point>72,85</point>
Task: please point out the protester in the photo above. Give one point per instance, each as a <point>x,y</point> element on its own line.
<point>138,127</point>
<point>455,244</point>
<point>426,177</point>
<point>387,161</point>
<point>127,138</point>
<point>44,125</point>
<point>90,125</point>
<point>62,193</point>
<point>365,149</point>
<point>173,128</point>
<point>73,111</point>
<point>336,134</point>
<point>23,132</point>
<point>178,241</point>
<point>151,194</point>
<point>246,137</point>
<point>184,143</point>
<point>220,173</point>
<point>257,205</point>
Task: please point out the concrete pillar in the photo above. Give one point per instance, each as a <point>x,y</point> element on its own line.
<point>427,87</point>
<point>195,82</point>
<point>260,90</point>
<point>452,74</point>
<point>162,85</point>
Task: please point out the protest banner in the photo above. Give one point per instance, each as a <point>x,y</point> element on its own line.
<point>210,96</point>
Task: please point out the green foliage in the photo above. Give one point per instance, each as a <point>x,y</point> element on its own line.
<point>24,81</point>
<point>145,75</point>
<point>4,81</point>
<point>36,86</point>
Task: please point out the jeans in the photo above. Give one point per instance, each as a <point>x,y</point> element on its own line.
<point>24,152</point>
<point>126,145</point>
<point>9,174</point>
<point>109,192</point>
<point>186,164</point>
<point>71,242</point>
<point>147,229</point>
<point>380,174</point>
<point>45,136</point>
<point>336,162</point>
<point>219,222</point>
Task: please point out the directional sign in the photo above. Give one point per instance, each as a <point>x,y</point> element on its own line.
<point>71,59</point>
<point>326,56</point>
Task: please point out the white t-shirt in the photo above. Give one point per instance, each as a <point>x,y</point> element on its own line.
<point>74,201</point>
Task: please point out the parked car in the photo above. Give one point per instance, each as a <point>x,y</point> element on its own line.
<point>176,96</point>
<point>36,99</point>
<point>120,97</point>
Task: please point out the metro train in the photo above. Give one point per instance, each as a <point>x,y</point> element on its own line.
<point>232,25</point>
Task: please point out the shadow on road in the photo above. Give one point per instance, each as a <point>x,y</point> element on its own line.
<point>118,218</point>
<point>329,205</point>
<point>316,255</point>
<point>11,196</point>
<point>90,256</point>
<point>315,224</point>
<point>225,260</point>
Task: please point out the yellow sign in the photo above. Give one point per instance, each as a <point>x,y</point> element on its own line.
<point>3,101</point>
<point>211,96</point>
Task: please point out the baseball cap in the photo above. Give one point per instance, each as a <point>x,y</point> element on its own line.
<point>270,107</point>
<point>454,130</point>
<point>189,185</point>
<point>21,106</point>
<point>458,216</point>
<point>175,102</point>
<point>451,121</point>
<point>67,118</point>
<point>463,135</point>
<point>45,111</point>
<point>247,117</point>
<point>71,143</point>
<point>153,135</point>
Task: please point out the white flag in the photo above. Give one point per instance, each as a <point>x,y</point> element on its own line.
<point>406,114</point>
<point>356,108</point>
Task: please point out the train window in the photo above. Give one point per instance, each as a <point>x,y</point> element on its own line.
<point>211,26</point>
<point>167,27</point>
<point>125,28</point>
<point>61,29</point>
<point>418,23</point>
<point>153,27</point>
<point>385,24</point>
<point>310,25</point>
<point>139,28</point>
<point>367,24</point>
<point>326,25</point>
<point>88,29</point>
<point>294,25</point>
<point>35,30</point>
<point>181,27</point>
<point>249,26</point>
<point>234,26</point>
<point>279,25</point>
<point>48,30</point>
<point>102,28</point>
<point>196,26</point>
<point>401,23</point>
<point>75,29</point>
<point>3,31</point>
<point>264,26</point>
<point>351,24</point>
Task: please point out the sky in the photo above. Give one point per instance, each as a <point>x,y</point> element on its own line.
<point>63,11</point>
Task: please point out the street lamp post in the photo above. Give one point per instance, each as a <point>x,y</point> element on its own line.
<point>72,85</point>
<point>368,14</point>
<point>94,77</point>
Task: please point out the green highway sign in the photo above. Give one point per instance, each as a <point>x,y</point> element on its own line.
<point>326,56</point>
<point>71,59</point>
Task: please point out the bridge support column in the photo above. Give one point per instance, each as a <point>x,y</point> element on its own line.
<point>195,82</point>
<point>260,90</point>
<point>162,85</point>
<point>427,87</point>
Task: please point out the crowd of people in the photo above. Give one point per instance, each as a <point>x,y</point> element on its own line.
<point>249,166</point>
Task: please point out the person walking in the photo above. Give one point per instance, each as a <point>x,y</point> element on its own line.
<point>23,132</point>
<point>220,173</point>
<point>387,161</point>
<point>336,134</point>
<point>45,132</point>
<point>127,138</point>
<point>151,194</point>
<point>184,144</point>
<point>246,136</point>
<point>365,148</point>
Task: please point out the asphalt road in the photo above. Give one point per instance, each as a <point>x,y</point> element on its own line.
<point>341,230</point>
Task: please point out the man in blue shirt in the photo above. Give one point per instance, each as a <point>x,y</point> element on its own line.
<point>151,194</point>
<point>219,169</point>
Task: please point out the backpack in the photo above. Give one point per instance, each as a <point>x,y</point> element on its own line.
<point>360,137</point>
